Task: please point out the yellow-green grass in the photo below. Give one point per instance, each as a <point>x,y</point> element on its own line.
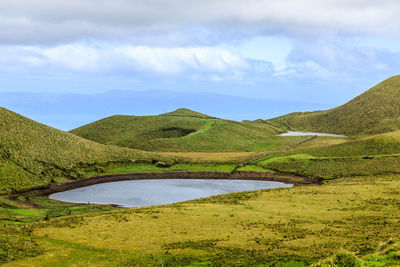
<point>278,143</point>
<point>332,167</point>
<point>253,168</point>
<point>15,233</point>
<point>143,168</point>
<point>329,159</point>
<point>375,111</point>
<point>184,112</point>
<point>41,208</point>
<point>382,144</point>
<point>299,226</point>
<point>203,167</point>
<point>214,157</point>
<point>318,142</point>
<point>178,133</point>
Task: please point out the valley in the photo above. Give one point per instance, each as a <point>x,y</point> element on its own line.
<point>344,207</point>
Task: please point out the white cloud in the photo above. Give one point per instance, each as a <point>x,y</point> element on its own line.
<point>334,58</point>
<point>178,60</point>
<point>344,58</point>
<point>98,60</point>
<point>77,58</point>
<point>325,59</point>
<point>60,21</point>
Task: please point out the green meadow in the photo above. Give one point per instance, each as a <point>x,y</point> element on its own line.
<point>350,217</point>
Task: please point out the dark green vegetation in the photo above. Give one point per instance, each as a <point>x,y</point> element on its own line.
<point>375,111</point>
<point>180,131</point>
<point>351,219</point>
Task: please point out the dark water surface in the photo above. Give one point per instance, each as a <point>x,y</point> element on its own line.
<point>139,193</point>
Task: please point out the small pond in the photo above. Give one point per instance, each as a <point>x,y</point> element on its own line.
<point>139,193</point>
<point>291,133</point>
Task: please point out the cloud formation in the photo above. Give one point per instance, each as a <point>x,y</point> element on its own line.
<point>189,45</point>
<point>185,22</point>
<point>340,58</point>
<point>210,62</point>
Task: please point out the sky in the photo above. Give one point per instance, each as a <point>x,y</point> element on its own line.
<point>312,51</point>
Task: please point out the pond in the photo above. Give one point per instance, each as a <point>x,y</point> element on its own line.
<point>139,193</point>
<point>291,133</point>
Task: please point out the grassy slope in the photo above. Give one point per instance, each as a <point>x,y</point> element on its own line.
<point>179,131</point>
<point>375,111</point>
<point>32,154</point>
<point>374,155</point>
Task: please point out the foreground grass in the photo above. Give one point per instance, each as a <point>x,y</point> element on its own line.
<point>297,227</point>
<point>15,233</point>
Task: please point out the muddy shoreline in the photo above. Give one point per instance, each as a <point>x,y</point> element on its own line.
<point>245,175</point>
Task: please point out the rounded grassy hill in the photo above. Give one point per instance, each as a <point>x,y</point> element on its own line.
<point>181,131</point>
<point>33,154</point>
<point>375,111</point>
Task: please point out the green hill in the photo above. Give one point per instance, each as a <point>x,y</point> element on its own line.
<point>33,155</point>
<point>366,156</point>
<point>380,144</point>
<point>186,113</point>
<point>181,130</point>
<point>375,111</point>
